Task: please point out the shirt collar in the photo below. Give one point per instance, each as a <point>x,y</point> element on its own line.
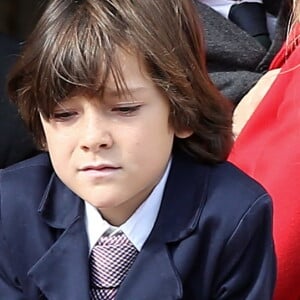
<point>138,227</point>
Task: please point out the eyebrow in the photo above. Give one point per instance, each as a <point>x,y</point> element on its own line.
<point>112,91</point>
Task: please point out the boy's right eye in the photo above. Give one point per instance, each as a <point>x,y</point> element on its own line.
<point>63,115</point>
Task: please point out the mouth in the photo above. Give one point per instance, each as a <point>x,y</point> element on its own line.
<point>102,168</point>
<point>99,170</point>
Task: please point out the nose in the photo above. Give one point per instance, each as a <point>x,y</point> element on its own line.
<point>96,133</point>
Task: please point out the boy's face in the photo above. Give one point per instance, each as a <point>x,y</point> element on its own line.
<point>112,152</point>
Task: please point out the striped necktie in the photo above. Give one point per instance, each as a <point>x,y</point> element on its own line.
<point>110,260</point>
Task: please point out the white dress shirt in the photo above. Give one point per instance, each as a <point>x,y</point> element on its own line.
<point>137,228</point>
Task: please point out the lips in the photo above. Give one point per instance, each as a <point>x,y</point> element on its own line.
<point>101,168</point>
<point>99,172</point>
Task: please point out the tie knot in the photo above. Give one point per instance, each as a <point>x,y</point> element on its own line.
<point>110,260</point>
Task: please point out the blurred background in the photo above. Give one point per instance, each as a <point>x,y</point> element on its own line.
<point>18,17</point>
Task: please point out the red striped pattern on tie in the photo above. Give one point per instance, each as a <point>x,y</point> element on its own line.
<point>110,260</point>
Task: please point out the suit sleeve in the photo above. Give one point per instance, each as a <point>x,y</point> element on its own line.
<point>8,283</point>
<point>248,263</point>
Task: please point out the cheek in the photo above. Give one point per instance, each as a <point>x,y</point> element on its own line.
<point>59,137</point>
<point>60,147</point>
<point>153,141</point>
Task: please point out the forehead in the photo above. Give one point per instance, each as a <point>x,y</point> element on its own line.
<point>132,71</point>
<point>129,78</point>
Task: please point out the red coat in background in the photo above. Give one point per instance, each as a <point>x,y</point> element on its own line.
<point>268,149</point>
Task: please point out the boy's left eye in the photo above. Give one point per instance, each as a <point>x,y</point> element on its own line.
<point>126,110</point>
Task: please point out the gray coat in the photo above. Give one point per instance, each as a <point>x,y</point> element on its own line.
<point>235,60</point>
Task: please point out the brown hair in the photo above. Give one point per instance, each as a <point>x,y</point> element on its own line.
<point>73,46</point>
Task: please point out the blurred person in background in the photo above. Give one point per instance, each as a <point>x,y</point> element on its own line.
<point>267,147</point>
<point>15,142</point>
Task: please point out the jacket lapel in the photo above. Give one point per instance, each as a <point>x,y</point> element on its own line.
<point>151,277</point>
<point>62,272</point>
<point>154,275</point>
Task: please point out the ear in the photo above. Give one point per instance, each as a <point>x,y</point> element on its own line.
<point>184,133</point>
<point>44,145</point>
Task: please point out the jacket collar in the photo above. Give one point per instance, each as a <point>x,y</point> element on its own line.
<point>184,197</point>
<point>60,206</point>
<point>62,272</point>
<point>153,275</point>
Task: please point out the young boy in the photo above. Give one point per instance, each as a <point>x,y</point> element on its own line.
<point>116,92</point>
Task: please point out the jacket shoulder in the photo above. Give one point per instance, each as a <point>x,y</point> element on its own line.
<point>41,160</point>
<point>25,180</point>
<point>229,178</point>
<point>233,197</point>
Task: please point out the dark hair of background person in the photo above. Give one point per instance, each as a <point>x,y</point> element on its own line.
<point>15,141</point>
<point>17,18</point>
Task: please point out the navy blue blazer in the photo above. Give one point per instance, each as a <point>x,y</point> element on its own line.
<point>212,238</point>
